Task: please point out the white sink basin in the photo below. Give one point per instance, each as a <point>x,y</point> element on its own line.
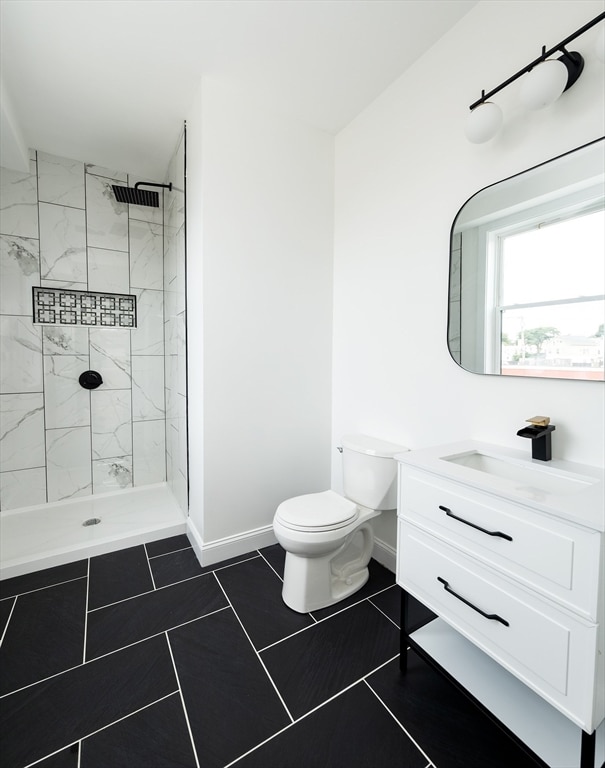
<point>543,478</point>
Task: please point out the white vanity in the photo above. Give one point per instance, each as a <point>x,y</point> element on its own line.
<point>508,552</point>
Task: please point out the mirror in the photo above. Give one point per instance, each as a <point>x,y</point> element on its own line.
<point>527,272</point>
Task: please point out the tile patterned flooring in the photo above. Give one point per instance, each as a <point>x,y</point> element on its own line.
<point>143,659</point>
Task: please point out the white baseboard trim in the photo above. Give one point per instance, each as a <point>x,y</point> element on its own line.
<point>385,554</point>
<point>211,552</point>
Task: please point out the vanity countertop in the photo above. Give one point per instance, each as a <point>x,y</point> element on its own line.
<point>576,495</point>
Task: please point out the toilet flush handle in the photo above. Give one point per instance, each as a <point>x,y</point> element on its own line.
<point>339,448</point>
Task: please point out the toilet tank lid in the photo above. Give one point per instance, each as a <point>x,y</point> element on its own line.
<point>372,446</point>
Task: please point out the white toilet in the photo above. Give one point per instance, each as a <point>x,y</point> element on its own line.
<point>329,538</point>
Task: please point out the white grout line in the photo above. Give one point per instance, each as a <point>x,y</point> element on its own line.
<point>109,653</point>
<point>269,564</point>
<point>254,649</point>
<point>161,632</point>
<point>178,682</point>
<point>231,565</point>
<point>98,730</point>
<point>50,754</point>
<point>149,592</point>
<point>86,614</point>
<point>357,602</point>
<point>407,733</point>
<point>294,722</point>
<point>39,589</point>
<point>325,618</point>
<point>125,717</point>
<point>380,666</point>
<point>14,599</point>
<point>167,586</point>
<point>311,711</point>
<point>383,613</point>
<point>165,554</point>
<point>149,566</point>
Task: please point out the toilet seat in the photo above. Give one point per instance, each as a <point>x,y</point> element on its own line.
<point>326,511</point>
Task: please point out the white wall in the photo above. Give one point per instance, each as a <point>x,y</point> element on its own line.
<point>260,228</point>
<point>403,169</point>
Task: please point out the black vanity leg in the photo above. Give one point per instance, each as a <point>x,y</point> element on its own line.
<point>403,634</point>
<point>588,749</point>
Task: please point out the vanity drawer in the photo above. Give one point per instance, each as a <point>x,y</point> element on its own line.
<point>558,559</point>
<point>549,650</point>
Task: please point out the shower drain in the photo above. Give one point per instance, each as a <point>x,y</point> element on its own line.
<point>92,521</point>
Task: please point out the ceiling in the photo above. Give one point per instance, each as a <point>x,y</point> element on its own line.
<point>110,81</point>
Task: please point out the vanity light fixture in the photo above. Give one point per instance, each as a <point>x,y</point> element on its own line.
<point>547,78</point>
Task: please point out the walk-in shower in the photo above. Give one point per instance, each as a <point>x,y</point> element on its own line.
<point>93,421</point>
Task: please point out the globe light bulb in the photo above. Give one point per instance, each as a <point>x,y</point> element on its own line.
<point>544,84</point>
<point>483,123</point>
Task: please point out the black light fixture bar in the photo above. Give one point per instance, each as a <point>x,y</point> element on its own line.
<point>545,54</point>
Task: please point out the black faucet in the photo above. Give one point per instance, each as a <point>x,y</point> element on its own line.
<point>539,433</point>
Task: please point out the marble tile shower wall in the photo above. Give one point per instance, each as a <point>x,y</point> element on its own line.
<point>175,329</point>
<point>61,227</point>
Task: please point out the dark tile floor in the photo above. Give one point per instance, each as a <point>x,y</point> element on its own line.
<point>143,659</point>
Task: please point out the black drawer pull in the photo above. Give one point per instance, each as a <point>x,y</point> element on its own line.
<point>492,616</point>
<point>449,513</point>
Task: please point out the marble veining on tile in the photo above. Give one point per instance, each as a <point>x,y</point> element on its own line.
<point>111,423</point>
<point>111,474</point>
<point>146,244</point>
<point>20,355</point>
<point>69,469</point>
<point>19,202</point>
<point>106,219</point>
<point>110,355</point>
<point>147,388</point>
<point>149,452</point>
<point>62,242</point>
<point>64,340</point>
<point>20,265</point>
<point>22,431</point>
<point>60,180</point>
<point>148,338</point>
<point>108,271</point>
<point>66,403</point>
<point>108,173</point>
<point>22,488</point>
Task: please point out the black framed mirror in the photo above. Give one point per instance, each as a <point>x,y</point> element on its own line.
<point>527,272</point>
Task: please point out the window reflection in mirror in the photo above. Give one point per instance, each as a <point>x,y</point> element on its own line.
<point>527,272</point>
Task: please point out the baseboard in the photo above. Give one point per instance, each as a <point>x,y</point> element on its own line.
<point>385,554</point>
<point>211,552</point>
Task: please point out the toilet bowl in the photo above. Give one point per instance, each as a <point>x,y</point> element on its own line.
<point>329,538</point>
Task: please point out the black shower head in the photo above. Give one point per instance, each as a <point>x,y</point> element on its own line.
<point>137,196</point>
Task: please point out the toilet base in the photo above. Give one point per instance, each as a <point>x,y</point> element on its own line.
<point>311,583</point>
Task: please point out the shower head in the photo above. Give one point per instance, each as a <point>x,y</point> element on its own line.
<point>137,196</point>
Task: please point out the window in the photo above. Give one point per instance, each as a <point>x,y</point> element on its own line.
<point>545,293</point>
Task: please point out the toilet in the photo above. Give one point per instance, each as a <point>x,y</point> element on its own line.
<point>329,538</point>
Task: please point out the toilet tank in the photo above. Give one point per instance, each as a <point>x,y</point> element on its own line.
<point>370,471</point>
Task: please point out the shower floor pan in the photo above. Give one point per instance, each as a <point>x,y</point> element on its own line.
<point>33,538</point>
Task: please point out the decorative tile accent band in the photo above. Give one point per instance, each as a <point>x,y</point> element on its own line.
<point>59,306</point>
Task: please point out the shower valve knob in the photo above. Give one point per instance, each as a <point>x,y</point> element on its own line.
<point>90,379</point>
